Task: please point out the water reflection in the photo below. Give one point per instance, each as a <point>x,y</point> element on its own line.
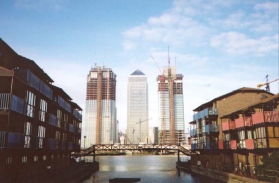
<point>158,169</point>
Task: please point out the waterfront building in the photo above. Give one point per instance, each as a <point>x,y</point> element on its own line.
<point>236,129</point>
<point>100,125</point>
<point>39,122</point>
<point>137,108</point>
<point>171,107</point>
<point>251,132</point>
<point>153,135</point>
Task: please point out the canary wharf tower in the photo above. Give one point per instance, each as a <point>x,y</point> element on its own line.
<point>137,108</point>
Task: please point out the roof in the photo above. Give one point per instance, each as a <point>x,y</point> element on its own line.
<point>30,64</point>
<point>274,98</point>
<point>75,105</point>
<point>60,91</point>
<point>12,60</point>
<point>137,72</point>
<point>243,89</point>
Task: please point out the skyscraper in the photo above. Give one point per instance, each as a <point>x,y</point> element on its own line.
<point>100,110</point>
<point>171,109</point>
<point>137,108</point>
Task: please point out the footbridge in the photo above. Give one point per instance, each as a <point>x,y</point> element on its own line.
<point>112,147</point>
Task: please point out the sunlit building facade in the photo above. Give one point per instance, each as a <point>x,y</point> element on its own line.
<point>171,107</point>
<point>100,125</point>
<point>137,108</point>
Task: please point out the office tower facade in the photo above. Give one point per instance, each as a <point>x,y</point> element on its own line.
<point>153,135</point>
<point>100,111</point>
<point>171,107</point>
<point>137,108</point>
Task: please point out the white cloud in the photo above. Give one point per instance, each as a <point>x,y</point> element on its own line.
<point>238,43</point>
<point>270,7</point>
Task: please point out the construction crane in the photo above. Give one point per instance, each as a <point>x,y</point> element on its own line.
<point>266,84</point>
<point>169,77</point>
<point>161,87</point>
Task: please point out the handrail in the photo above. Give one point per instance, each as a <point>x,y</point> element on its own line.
<point>100,147</point>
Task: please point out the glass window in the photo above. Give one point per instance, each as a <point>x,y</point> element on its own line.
<point>24,159</point>
<point>43,110</point>
<point>36,158</point>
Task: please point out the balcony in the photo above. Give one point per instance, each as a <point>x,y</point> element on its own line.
<point>52,143</point>
<point>221,144</point>
<point>227,145</point>
<point>206,112</point>
<point>249,144</point>
<point>18,105</point>
<point>211,128</point>
<point>193,147</point>
<point>4,101</point>
<point>77,115</point>
<point>266,116</point>
<point>241,144</point>
<point>53,120</point>
<point>228,125</point>
<point>258,118</point>
<point>233,144</point>
<point>271,116</point>
<point>71,128</point>
<point>193,133</point>
<point>15,140</point>
<point>243,121</point>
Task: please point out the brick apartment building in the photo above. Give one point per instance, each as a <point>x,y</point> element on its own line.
<point>39,122</point>
<point>233,130</point>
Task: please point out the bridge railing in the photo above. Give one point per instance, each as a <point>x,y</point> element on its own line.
<point>103,147</point>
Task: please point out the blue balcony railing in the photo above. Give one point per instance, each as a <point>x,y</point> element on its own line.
<point>207,145</point>
<point>193,146</point>
<point>53,120</point>
<point>63,103</point>
<point>71,128</point>
<point>15,140</point>
<point>204,113</point>
<point>193,132</point>
<point>34,81</point>
<point>211,128</point>
<point>18,105</point>
<point>77,115</point>
<point>52,143</point>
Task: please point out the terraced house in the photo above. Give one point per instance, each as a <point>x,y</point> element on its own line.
<point>39,122</point>
<point>233,131</point>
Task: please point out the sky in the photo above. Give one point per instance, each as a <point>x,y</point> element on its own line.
<point>219,46</point>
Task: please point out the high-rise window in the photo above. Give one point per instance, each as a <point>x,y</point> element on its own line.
<point>137,108</point>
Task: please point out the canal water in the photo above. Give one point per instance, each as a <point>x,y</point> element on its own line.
<point>156,168</point>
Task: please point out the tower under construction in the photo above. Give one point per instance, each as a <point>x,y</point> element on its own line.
<point>171,108</point>
<point>100,110</point>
